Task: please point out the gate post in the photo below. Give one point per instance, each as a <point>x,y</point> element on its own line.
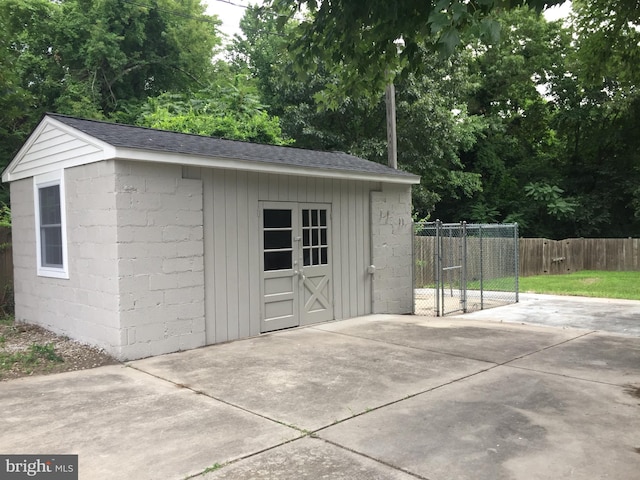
<point>516,248</point>
<point>463,280</point>
<point>413,268</point>
<point>438,266</point>
<point>481,270</point>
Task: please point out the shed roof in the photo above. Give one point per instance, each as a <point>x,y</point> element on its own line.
<point>146,144</point>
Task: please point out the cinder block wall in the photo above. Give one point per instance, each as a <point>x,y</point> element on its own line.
<point>84,306</point>
<point>391,237</point>
<point>160,259</point>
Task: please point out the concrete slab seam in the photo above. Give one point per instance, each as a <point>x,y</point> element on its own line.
<point>406,397</point>
<point>253,454</point>
<point>377,460</point>
<point>198,392</point>
<point>524,355</point>
<point>545,372</point>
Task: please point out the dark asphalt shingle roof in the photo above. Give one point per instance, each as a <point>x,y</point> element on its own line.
<point>128,136</point>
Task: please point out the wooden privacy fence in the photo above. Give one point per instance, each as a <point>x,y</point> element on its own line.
<point>6,270</point>
<point>539,256</point>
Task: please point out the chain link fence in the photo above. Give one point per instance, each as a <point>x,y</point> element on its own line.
<point>460,267</point>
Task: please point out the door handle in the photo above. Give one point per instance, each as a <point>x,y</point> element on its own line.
<point>301,275</point>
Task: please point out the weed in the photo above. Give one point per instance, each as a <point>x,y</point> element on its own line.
<point>34,356</point>
<point>47,352</point>
<point>212,468</point>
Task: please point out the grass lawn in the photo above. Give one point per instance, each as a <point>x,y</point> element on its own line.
<point>588,283</point>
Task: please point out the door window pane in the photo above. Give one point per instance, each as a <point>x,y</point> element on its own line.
<point>276,260</point>
<point>277,239</point>
<point>277,218</point>
<point>314,235</point>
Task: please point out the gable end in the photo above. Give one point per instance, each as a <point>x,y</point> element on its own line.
<point>54,146</point>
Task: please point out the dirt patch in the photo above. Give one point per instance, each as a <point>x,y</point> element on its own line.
<point>27,350</point>
<point>589,281</point>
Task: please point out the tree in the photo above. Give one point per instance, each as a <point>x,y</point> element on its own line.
<point>431,133</point>
<point>599,107</point>
<point>96,58</point>
<point>356,39</point>
<point>608,39</point>
<point>231,110</point>
<point>25,30</point>
<point>518,144</point>
<point>123,51</point>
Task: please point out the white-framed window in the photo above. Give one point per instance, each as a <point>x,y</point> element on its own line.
<point>51,232</point>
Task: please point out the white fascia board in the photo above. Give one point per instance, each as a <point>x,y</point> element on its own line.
<point>108,151</point>
<point>261,167</point>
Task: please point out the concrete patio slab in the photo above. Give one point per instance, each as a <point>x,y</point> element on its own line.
<point>601,358</point>
<point>504,424</point>
<point>308,458</point>
<point>601,314</point>
<point>481,341</point>
<point>125,424</point>
<point>309,378</point>
<point>372,397</point>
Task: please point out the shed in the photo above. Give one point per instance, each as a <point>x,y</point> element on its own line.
<point>145,242</point>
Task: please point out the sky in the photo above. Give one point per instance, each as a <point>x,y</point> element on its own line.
<point>231,11</point>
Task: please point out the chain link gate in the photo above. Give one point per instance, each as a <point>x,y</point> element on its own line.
<point>460,267</point>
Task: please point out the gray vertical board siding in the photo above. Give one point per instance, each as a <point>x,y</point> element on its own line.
<point>209,256</point>
<point>343,246</point>
<point>232,252</point>
<point>220,256</point>
<point>242,205</point>
<point>233,238</point>
<point>334,193</point>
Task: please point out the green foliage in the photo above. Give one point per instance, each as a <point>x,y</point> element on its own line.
<point>35,355</point>
<point>550,197</point>
<point>608,35</point>
<point>96,58</point>
<point>232,111</point>
<point>5,215</point>
<point>432,127</point>
<point>355,39</point>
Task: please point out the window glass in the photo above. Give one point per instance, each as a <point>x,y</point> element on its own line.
<point>50,226</point>
<point>276,260</point>
<point>277,218</point>
<point>277,239</point>
<point>314,235</point>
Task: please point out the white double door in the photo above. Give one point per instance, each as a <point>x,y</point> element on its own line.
<point>295,264</point>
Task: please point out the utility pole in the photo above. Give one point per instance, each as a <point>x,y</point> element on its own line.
<point>392,139</point>
<point>390,100</point>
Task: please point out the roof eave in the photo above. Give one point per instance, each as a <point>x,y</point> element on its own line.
<point>193,160</point>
